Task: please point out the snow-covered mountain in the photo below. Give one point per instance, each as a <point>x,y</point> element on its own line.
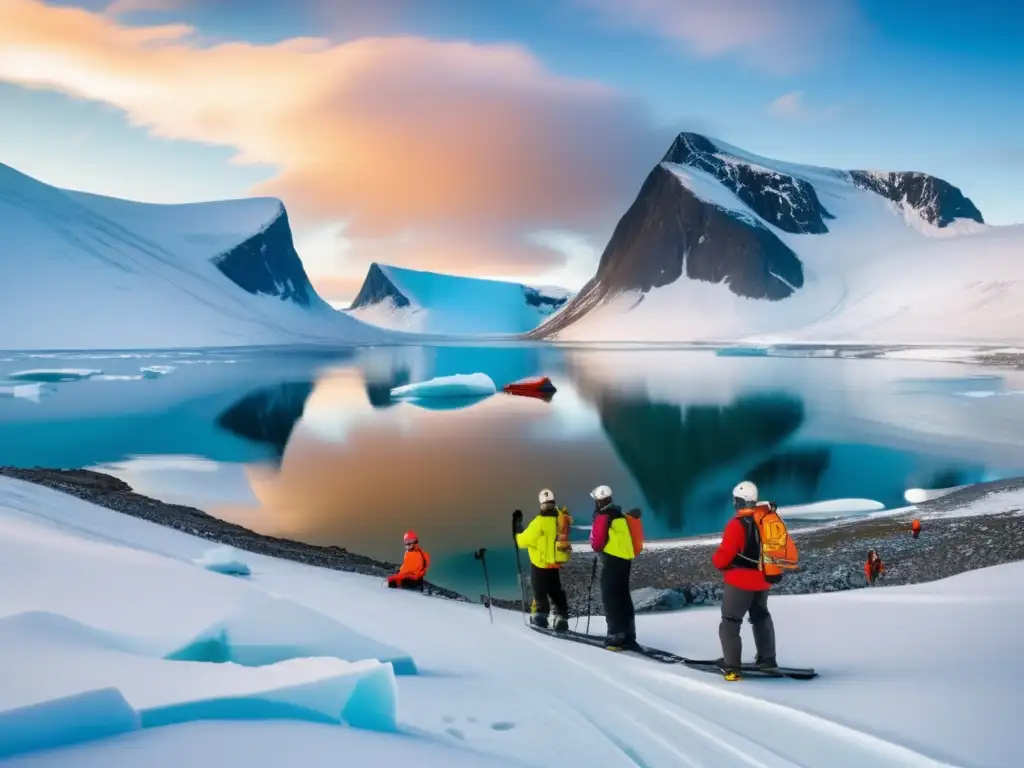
<point>721,244</point>
<point>80,271</point>
<point>430,302</point>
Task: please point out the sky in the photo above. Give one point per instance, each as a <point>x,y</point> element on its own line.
<point>495,139</point>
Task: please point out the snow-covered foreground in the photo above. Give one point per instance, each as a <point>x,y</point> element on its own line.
<point>95,602</point>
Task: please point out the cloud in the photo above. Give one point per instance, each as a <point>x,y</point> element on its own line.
<point>792,106</point>
<point>470,147</point>
<point>780,36</point>
<point>127,7</point>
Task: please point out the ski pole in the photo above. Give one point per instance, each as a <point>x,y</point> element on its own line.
<point>590,591</point>
<point>519,566</point>
<point>479,555</point>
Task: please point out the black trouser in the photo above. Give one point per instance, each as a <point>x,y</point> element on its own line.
<point>618,602</point>
<point>547,591</point>
<point>736,603</point>
<point>407,583</point>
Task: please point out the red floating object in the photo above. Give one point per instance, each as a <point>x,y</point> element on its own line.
<point>537,386</point>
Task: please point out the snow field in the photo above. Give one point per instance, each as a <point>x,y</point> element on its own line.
<point>897,686</point>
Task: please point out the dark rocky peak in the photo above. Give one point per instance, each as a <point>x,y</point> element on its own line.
<point>376,288</point>
<point>789,203</point>
<point>267,264</point>
<point>669,232</point>
<point>936,200</point>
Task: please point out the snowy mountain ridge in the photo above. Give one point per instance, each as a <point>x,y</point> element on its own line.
<point>721,244</point>
<point>140,275</point>
<point>432,302</point>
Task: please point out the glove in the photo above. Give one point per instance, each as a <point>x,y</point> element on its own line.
<point>517,519</point>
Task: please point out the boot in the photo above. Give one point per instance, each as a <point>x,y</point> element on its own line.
<point>767,664</point>
<point>616,642</point>
<point>539,620</point>
<point>561,623</point>
<point>732,675</point>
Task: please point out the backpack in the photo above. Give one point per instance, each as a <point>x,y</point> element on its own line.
<point>778,550</point>
<point>636,530</point>
<point>563,549</point>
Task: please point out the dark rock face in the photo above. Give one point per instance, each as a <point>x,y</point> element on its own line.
<point>790,204</point>
<point>377,288</point>
<point>267,264</point>
<point>938,201</point>
<point>268,415</point>
<point>542,301</point>
<point>668,232</point>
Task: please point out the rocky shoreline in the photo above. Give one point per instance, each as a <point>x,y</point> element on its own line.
<point>664,578</point>
<point>112,493</point>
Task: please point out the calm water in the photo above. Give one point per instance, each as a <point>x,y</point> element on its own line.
<point>311,448</point>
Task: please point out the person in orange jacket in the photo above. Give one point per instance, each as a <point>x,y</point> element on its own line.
<point>873,567</point>
<point>414,565</point>
<point>915,528</point>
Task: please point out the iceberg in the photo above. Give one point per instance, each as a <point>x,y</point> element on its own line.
<point>459,385</point>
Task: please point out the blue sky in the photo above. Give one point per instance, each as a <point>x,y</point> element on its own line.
<point>909,85</point>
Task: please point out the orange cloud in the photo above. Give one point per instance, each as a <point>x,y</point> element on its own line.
<point>468,146</point>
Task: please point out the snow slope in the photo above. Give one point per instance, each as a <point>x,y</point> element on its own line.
<point>80,271</point>
<point>118,592</point>
<point>430,302</point>
<point>723,245</point>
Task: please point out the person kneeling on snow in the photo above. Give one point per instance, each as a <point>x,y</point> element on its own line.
<point>746,588</point>
<point>873,567</point>
<point>546,540</point>
<point>414,565</point>
<point>612,536</point>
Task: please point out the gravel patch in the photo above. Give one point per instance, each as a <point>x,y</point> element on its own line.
<point>112,493</point>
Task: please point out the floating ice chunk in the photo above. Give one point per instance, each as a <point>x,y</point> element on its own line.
<point>742,352</point>
<point>33,392</point>
<point>156,371</point>
<point>921,495</point>
<point>281,629</point>
<point>832,508</point>
<point>54,374</point>
<point>459,385</point>
<point>226,560</point>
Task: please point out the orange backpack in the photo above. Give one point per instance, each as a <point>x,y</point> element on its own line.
<point>778,550</point>
<point>636,530</point>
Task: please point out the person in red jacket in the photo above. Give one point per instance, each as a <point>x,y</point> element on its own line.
<point>873,567</point>
<point>915,528</point>
<point>414,565</point>
<point>746,590</point>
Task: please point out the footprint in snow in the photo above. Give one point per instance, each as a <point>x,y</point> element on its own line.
<point>448,718</point>
<point>502,725</point>
<point>456,733</point>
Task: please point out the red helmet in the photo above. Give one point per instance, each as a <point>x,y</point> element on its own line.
<point>411,537</point>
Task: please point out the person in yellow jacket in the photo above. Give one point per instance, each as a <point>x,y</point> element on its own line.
<point>612,539</point>
<point>546,540</point>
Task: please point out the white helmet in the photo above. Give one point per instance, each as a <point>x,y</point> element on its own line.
<point>601,493</point>
<point>746,491</point>
<point>546,496</point>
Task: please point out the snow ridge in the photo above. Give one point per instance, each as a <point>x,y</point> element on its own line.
<point>431,302</point>
<point>138,275</point>
<point>904,258</point>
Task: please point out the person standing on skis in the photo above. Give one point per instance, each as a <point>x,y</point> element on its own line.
<point>546,540</point>
<point>611,538</point>
<point>746,589</point>
<point>414,565</point>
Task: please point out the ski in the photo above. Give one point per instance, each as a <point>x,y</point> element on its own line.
<point>576,637</point>
<point>752,670</point>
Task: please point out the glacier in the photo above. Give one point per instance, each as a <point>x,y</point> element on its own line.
<point>722,245</point>
<point>434,303</point>
<point>81,271</point>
